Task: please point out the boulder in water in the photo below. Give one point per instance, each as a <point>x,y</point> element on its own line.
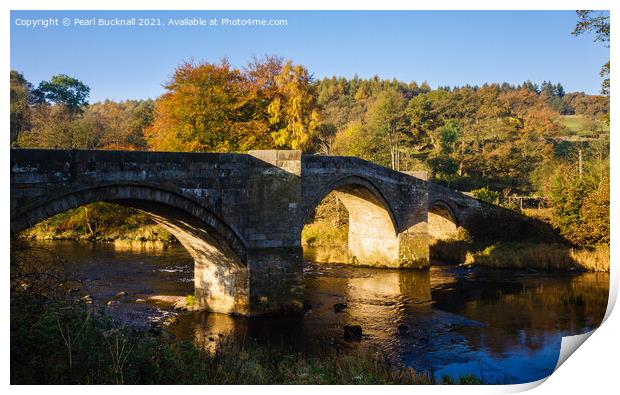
<point>338,307</point>
<point>353,332</point>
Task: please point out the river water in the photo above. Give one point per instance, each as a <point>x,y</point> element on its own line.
<point>500,325</point>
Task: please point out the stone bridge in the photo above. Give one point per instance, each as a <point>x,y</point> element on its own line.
<point>240,216</point>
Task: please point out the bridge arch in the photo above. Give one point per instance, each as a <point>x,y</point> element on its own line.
<point>442,220</point>
<point>219,252</point>
<point>373,230</point>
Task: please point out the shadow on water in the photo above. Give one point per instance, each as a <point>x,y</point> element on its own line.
<point>503,326</point>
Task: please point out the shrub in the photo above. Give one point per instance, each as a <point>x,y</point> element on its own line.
<point>486,195</point>
<point>66,343</point>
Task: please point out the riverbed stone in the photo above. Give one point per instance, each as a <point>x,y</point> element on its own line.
<point>338,307</point>
<point>353,332</point>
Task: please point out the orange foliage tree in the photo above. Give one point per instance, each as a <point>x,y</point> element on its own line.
<point>217,108</point>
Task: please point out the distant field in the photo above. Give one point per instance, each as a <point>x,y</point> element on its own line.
<point>580,125</point>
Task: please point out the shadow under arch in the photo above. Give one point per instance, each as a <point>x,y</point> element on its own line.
<point>443,222</point>
<point>373,229</point>
<point>220,254</point>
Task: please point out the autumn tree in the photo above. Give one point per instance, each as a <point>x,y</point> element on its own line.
<point>293,112</point>
<point>20,96</point>
<point>54,126</point>
<point>121,125</point>
<point>207,107</point>
<point>357,140</point>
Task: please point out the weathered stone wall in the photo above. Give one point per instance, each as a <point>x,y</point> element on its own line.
<point>372,236</point>
<point>458,204</point>
<point>275,254</point>
<point>442,223</point>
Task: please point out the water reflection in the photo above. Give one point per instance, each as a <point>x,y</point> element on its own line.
<point>503,326</point>
<point>522,318</point>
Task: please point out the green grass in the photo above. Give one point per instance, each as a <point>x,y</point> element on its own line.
<point>573,123</point>
<point>580,125</point>
<point>190,300</point>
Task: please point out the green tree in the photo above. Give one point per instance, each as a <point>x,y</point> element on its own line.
<point>357,140</point>
<point>443,161</point>
<point>486,195</point>
<point>581,202</point>
<point>64,90</point>
<point>426,114</point>
<point>385,116</point>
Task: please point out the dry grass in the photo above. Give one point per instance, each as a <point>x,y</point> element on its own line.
<point>541,257</point>
<point>543,214</point>
<point>595,259</point>
<point>323,233</point>
<point>325,254</point>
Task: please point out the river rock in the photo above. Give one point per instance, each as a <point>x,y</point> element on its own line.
<point>121,294</point>
<point>338,307</point>
<point>353,332</point>
<point>112,302</point>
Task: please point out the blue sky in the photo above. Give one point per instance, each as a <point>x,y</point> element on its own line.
<point>440,47</point>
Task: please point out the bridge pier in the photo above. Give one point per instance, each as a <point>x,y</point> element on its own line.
<point>275,256</point>
<point>276,280</point>
<point>374,238</point>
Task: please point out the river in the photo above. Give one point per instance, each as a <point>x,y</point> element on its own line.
<point>500,325</point>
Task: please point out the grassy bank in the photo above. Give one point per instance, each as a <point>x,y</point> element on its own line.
<point>539,256</point>
<point>328,226</point>
<point>101,222</point>
<point>65,343</point>
<point>325,237</point>
<point>324,234</point>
